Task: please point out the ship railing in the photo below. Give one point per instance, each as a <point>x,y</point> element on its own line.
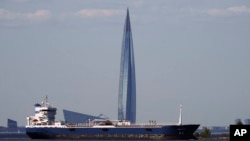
<point>148,124</point>
<point>162,124</point>
<point>78,125</point>
<point>139,125</point>
<point>45,126</point>
<point>72,125</point>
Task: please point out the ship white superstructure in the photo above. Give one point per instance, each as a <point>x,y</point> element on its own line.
<point>44,114</point>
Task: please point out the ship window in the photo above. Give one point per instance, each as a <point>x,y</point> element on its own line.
<point>148,129</point>
<point>105,129</point>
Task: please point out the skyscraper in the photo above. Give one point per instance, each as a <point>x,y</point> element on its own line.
<point>127,84</point>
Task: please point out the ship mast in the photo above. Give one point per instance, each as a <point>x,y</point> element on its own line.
<point>180,116</point>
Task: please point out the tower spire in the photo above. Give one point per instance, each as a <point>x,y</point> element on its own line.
<point>127,84</point>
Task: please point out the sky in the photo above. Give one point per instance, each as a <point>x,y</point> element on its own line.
<point>189,52</point>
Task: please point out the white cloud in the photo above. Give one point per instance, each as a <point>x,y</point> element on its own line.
<point>230,10</point>
<point>5,14</point>
<point>99,12</point>
<point>239,9</point>
<point>216,12</point>
<point>38,15</point>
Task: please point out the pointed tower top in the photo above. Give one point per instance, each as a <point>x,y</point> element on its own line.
<point>127,22</point>
<point>127,14</point>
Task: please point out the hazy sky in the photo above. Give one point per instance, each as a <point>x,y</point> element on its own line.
<point>194,52</point>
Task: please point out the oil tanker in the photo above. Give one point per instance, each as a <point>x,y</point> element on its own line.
<point>43,126</point>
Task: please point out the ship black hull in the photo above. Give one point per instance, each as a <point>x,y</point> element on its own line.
<point>169,132</point>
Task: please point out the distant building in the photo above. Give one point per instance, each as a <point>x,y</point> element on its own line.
<point>215,130</point>
<point>75,117</point>
<point>247,121</point>
<point>11,123</point>
<point>219,130</point>
<point>127,83</point>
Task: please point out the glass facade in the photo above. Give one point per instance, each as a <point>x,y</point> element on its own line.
<point>11,123</point>
<point>75,117</point>
<point>127,83</point>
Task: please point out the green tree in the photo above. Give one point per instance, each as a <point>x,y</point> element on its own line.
<point>206,133</point>
<point>239,122</point>
<point>197,135</point>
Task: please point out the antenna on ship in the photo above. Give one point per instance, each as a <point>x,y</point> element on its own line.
<point>180,117</point>
<point>45,102</point>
